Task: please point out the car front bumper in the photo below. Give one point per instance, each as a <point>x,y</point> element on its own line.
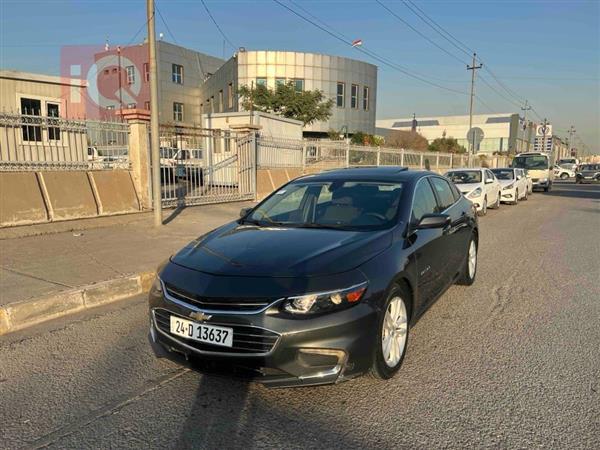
<point>300,352</point>
<point>508,196</point>
<point>540,183</point>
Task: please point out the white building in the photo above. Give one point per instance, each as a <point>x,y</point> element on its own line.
<point>497,132</point>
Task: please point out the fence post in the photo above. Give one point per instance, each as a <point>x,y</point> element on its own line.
<point>303,156</point>
<point>378,155</point>
<point>402,157</point>
<point>139,153</point>
<point>421,161</point>
<point>347,153</point>
<point>437,162</point>
<point>451,162</point>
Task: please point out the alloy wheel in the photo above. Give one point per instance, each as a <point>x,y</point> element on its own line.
<point>472,259</point>
<point>395,328</point>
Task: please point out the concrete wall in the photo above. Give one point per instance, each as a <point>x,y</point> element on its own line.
<point>37,197</point>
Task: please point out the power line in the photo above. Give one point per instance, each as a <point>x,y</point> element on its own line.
<point>217,25</point>
<point>372,54</point>
<point>452,55</point>
<point>438,28</point>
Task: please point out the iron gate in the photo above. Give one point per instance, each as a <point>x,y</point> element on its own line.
<point>200,166</point>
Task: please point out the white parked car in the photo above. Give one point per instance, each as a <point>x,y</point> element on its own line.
<point>514,184</point>
<point>478,185</point>
<point>564,173</point>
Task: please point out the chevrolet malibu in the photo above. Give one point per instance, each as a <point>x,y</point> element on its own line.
<point>320,282</point>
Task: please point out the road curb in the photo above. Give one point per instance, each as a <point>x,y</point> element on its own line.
<point>18,315</point>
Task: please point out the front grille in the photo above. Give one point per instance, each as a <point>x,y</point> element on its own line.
<point>218,303</point>
<point>535,180</point>
<point>246,339</point>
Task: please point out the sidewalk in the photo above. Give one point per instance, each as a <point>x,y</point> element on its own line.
<point>38,266</point>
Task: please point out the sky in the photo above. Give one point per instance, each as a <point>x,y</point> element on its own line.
<point>547,52</point>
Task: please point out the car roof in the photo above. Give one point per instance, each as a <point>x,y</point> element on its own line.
<point>383,173</point>
<point>466,168</point>
<point>505,168</point>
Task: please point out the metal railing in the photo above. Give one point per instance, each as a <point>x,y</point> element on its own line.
<point>35,142</point>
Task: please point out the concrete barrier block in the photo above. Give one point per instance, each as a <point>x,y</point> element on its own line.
<point>29,312</point>
<point>116,191</point>
<point>279,177</point>
<point>263,183</point>
<point>21,200</point>
<point>70,194</point>
<point>110,291</point>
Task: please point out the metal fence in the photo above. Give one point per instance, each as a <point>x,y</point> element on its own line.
<point>200,166</point>
<point>33,142</point>
<point>325,154</point>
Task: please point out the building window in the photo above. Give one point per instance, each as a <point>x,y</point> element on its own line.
<point>230,95</point>
<point>146,72</point>
<point>131,105</point>
<point>341,94</point>
<point>177,73</point>
<point>299,84</point>
<point>52,111</point>
<point>130,74</point>
<point>178,112</point>
<point>147,105</point>
<point>354,97</point>
<point>31,107</point>
<point>221,100</point>
<point>261,82</point>
<point>279,82</point>
<point>365,98</point>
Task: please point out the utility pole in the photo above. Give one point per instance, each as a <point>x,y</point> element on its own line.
<point>526,108</point>
<point>472,68</point>
<point>544,129</point>
<point>120,87</point>
<point>571,134</point>
<point>155,139</point>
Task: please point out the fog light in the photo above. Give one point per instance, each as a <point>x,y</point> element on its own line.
<point>330,361</point>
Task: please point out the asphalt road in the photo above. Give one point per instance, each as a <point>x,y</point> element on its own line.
<point>511,362</point>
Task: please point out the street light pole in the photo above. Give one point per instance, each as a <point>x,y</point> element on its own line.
<point>525,109</point>
<point>571,134</point>
<point>154,129</point>
<point>472,68</point>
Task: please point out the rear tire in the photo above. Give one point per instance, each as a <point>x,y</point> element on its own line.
<point>564,176</point>
<point>469,270</point>
<point>393,330</point>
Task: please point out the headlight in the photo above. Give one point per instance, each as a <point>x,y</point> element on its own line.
<point>508,186</point>
<point>324,301</point>
<point>476,193</point>
<point>157,285</point>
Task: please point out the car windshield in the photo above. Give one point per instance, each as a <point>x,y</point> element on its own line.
<point>590,167</point>
<point>465,176</point>
<point>531,162</point>
<point>356,205</point>
<point>504,174</point>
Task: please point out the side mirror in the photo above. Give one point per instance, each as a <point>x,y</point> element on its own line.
<point>244,211</point>
<point>489,181</point>
<point>519,177</point>
<point>433,221</point>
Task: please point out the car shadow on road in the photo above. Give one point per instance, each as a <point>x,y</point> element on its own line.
<point>575,193</point>
<point>238,414</point>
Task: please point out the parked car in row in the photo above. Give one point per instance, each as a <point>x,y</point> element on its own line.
<point>479,185</point>
<point>568,163</point>
<point>588,173</point>
<point>321,281</point>
<point>563,172</point>
<point>515,185</point>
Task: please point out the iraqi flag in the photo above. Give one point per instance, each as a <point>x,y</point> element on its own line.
<point>357,43</point>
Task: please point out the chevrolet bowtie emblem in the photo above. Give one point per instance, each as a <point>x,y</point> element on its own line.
<point>200,316</point>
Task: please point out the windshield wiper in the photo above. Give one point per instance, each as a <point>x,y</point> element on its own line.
<point>321,225</point>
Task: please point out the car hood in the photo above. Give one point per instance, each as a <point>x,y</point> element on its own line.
<point>248,250</point>
<point>465,188</point>
<point>506,182</point>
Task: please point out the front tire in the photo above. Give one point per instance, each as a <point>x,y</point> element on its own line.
<point>469,271</point>
<point>526,196</point>
<point>516,197</point>
<point>392,336</point>
<point>564,176</point>
<point>483,211</point>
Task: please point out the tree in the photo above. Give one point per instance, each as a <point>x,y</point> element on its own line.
<point>286,101</point>
<point>446,145</point>
<point>406,139</point>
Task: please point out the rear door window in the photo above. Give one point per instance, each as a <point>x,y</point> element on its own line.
<point>443,193</point>
<point>423,201</point>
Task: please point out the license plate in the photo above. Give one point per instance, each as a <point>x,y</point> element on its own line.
<point>201,332</point>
